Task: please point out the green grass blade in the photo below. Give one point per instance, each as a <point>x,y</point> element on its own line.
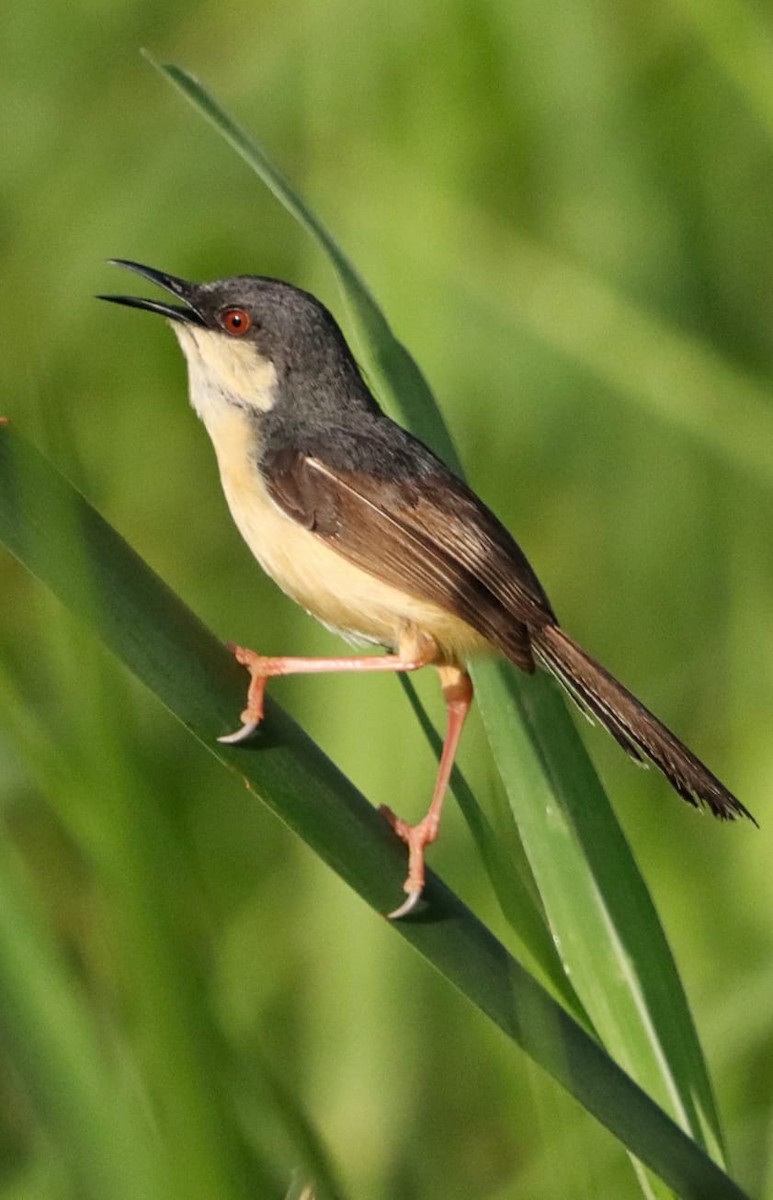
<point>514,893</point>
<point>145,625</point>
<point>615,945</point>
<point>738,36</point>
<point>300,1189</point>
<point>392,370</point>
<point>672,375</point>
<point>306,1140</point>
<point>564,788</point>
<point>50,1039</point>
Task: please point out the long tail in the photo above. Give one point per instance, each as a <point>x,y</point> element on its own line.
<point>640,733</point>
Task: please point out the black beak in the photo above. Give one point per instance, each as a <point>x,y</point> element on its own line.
<point>178,287</point>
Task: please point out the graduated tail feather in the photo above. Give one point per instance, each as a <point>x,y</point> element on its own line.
<point>640,733</point>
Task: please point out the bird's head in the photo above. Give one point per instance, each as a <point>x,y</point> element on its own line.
<point>252,343</point>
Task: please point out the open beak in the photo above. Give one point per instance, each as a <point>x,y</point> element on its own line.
<point>178,287</point>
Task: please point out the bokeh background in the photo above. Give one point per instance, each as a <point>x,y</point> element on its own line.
<point>565,211</point>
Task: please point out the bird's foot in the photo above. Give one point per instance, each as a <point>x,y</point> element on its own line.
<point>253,713</point>
<point>416,838</point>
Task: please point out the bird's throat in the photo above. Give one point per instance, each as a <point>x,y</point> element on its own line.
<point>225,374</point>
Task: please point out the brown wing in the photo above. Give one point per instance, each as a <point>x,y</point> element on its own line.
<point>429,536</point>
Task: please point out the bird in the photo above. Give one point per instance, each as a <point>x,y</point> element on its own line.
<point>370,532</point>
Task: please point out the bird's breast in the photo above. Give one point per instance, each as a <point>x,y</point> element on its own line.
<point>341,595</point>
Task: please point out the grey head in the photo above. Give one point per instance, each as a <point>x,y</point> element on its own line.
<point>257,344</point>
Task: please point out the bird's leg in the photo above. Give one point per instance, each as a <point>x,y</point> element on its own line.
<point>414,652</point>
<point>457,693</point>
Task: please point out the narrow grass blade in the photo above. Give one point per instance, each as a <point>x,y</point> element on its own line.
<point>300,1189</point>
<point>521,908</point>
<point>392,370</point>
<point>615,945</point>
<point>307,1142</point>
<point>672,375</point>
<point>195,677</point>
<point>739,37</point>
<point>50,1040</point>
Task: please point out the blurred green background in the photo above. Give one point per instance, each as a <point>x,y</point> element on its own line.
<point>565,212</point>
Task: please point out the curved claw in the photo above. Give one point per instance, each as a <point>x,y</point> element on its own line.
<point>241,735</point>
<point>406,907</point>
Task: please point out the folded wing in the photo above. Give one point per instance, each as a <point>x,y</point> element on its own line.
<point>428,536</point>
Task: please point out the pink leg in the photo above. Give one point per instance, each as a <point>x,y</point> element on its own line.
<point>411,658</point>
<point>457,693</point>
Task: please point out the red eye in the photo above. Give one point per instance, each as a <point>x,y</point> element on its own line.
<point>236,321</point>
